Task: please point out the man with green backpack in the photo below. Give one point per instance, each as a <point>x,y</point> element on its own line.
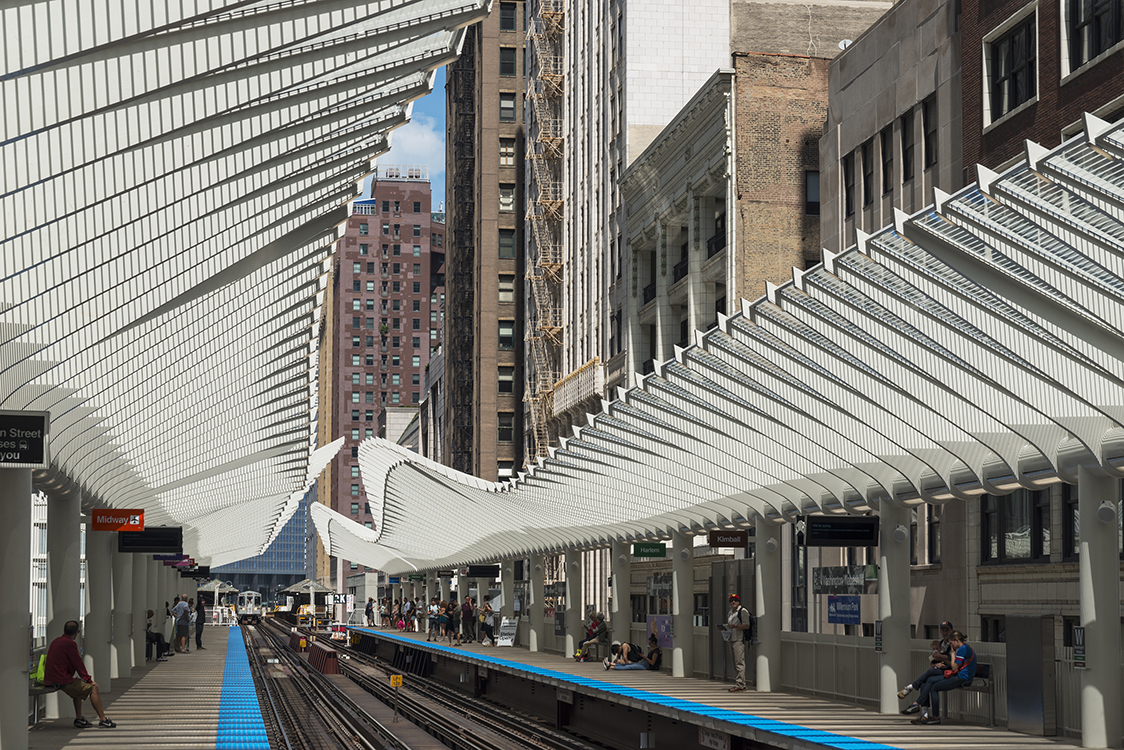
<point>63,661</point>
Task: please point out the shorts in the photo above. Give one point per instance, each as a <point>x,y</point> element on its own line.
<point>79,689</point>
<point>181,629</point>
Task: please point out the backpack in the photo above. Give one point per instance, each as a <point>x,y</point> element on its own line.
<point>750,633</point>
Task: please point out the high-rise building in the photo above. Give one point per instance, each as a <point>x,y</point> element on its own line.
<point>385,320</point>
<point>484,166</point>
<point>281,565</point>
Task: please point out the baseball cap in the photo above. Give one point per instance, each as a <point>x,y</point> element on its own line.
<point>735,596</point>
<point>946,624</point>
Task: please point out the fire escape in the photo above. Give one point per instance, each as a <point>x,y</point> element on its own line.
<point>544,329</point>
<point>460,290</point>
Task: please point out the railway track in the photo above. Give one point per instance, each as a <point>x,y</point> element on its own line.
<point>307,702</point>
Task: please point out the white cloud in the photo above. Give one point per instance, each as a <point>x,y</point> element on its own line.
<point>420,141</point>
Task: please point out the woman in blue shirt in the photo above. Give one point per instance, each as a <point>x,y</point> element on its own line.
<point>961,674</point>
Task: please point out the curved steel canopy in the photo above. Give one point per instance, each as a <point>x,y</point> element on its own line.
<point>174,176</point>
<point>974,347</point>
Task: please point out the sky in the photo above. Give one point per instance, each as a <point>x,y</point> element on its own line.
<point>422,140</point>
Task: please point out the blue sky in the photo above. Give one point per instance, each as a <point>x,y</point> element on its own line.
<point>422,140</point>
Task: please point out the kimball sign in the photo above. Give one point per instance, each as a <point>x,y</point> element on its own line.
<point>23,439</point>
<point>731,538</point>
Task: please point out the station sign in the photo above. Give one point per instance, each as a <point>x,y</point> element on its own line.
<point>23,439</point>
<point>837,531</point>
<point>728,537</point>
<point>107,519</point>
<point>1079,648</point>
<point>445,574</point>
<point>649,549</point>
<point>393,580</point>
<point>846,579</point>
<point>483,571</point>
<point>843,610</point>
<point>416,577</point>
<point>166,539</point>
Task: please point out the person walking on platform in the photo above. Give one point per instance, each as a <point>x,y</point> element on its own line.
<point>369,611</point>
<point>453,629</point>
<point>180,618</point>
<point>63,661</point>
<point>468,620</point>
<point>739,619</point>
<point>200,618</point>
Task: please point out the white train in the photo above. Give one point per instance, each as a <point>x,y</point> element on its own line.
<point>249,607</point>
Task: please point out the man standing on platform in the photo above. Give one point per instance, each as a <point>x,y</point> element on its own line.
<point>63,661</point>
<point>200,618</point>
<point>180,617</point>
<point>739,619</point>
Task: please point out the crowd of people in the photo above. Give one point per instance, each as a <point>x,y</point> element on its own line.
<point>466,622</point>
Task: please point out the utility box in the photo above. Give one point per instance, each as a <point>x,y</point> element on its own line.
<point>1031,705</point>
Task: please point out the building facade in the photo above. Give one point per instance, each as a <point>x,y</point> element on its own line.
<point>280,566</point>
<point>385,321</point>
<point>484,166</point>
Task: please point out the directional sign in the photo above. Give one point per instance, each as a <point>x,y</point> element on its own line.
<point>117,520</point>
<point>23,439</point>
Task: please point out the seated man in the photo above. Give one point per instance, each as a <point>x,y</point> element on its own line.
<point>651,661</point>
<point>596,632</point>
<point>159,645</point>
<point>63,660</point>
<point>961,674</point>
<point>937,666</point>
<point>623,653</point>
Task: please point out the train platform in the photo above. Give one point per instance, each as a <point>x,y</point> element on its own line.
<point>616,707</point>
<point>202,700</point>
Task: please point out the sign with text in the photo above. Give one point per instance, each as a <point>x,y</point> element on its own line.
<point>158,539</point>
<point>837,531</point>
<point>506,636</point>
<point>878,636</point>
<point>416,577</point>
<point>728,538</point>
<point>843,610</point>
<point>1079,647</point>
<point>839,580</point>
<point>712,738</point>
<point>117,520</point>
<point>649,549</point>
<point>23,439</point>
<point>484,571</point>
<point>394,580</point>
<point>177,556</point>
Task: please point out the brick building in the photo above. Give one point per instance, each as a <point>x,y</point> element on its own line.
<point>386,319</point>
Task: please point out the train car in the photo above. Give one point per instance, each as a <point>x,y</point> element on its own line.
<point>249,608</point>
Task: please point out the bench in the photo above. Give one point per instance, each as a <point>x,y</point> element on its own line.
<point>599,649</point>
<point>982,683</point>
<point>36,689</point>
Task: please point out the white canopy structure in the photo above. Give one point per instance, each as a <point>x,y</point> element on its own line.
<point>174,176</point>
<point>974,347</point>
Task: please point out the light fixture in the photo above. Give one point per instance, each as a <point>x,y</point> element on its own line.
<point>1107,512</point>
<point>538,568</point>
<point>771,544</point>
<point>901,533</point>
<point>685,554</point>
<point>623,559</point>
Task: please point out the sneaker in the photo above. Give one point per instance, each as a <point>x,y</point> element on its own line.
<point>605,663</point>
<point>930,720</point>
<point>922,719</point>
<point>905,691</point>
<point>160,658</point>
<point>912,708</point>
<point>200,648</point>
<point>82,723</point>
<point>107,723</point>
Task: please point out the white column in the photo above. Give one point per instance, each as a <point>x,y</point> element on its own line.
<point>121,649</point>
<point>507,590</point>
<point>15,604</point>
<point>682,605</point>
<point>63,577</point>
<point>620,615</point>
<point>574,610</point>
<point>155,603</point>
<point>1099,578</point>
<point>893,603</point>
<point>445,587</point>
<point>767,607</point>
<point>142,602</point>
<point>99,594</point>
<point>535,605</point>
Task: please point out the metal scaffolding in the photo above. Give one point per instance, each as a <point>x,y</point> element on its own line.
<point>545,204</point>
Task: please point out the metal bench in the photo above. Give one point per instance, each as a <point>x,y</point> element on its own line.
<point>36,689</point>
<point>982,683</point>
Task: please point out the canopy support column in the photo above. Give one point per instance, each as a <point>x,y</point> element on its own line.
<point>1099,581</point>
<point>99,595</point>
<point>574,613</point>
<point>768,607</point>
<point>445,588</point>
<point>893,604</point>
<point>535,605</point>
<point>507,590</point>
<point>121,647</point>
<point>141,604</point>
<point>64,587</point>
<point>620,615</point>
<point>682,622</point>
<point>15,604</point>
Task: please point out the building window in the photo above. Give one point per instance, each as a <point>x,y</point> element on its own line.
<point>506,380</point>
<point>417,251</point>
<point>507,243</point>
<point>354,489</point>
<point>507,152</point>
<point>415,379</point>
<point>505,469</point>
<point>507,106</point>
<point>417,230</point>
<point>355,397</point>
<point>868,172</point>
<point>507,334</point>
<point>416,322</point>
<point>417,207</point>
<point>417,269</point>
<point>416,306</point>
<point>396,341</point>
<point>929,123</point>
<point>416,361</point>
<point>355,509</point>
<point>363,229</point>
<point>907,146</point>
<point>417,287</point>
<point>395,379</point>
<point>812,193</point>
<point>395,397</point>
<point>507,61</point>
<point>1011,527</point>
<point>368,416</point>
<point>417,342</point>
<point>354,415</point>
<point>506,427</point>
<point>849,184</point>
<point>1095,26</point>
<point>507,198</point>
<point>1013,68</point>
<point>507,288</point>
<point>386,207</point>
<point>507,16</point>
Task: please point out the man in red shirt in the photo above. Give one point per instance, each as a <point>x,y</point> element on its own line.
<point>63,660</point>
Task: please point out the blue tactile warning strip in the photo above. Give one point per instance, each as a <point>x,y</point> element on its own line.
<point>240,723</point>
<point>827,739</point>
